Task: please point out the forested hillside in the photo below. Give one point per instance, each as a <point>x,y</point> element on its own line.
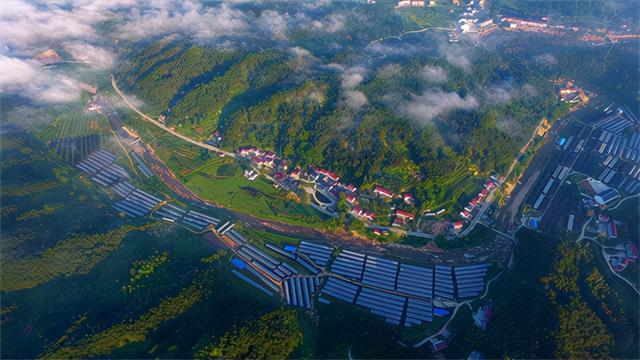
<point>391,122</point>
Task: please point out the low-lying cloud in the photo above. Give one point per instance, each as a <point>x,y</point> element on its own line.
<point>96,56</point>
<point>425,107</point>
<point>43,85</point>
<point>27,27</point>
<point>545,59</point>
<point>354,99</point>
<point>332,23</point>
<point>456,55</point>
<point>434,74</point>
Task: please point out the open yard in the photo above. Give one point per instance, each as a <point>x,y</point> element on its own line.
<point>221,181</point>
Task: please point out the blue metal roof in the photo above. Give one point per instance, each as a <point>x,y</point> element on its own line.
<point>237,262</point>
<point>440,311</point>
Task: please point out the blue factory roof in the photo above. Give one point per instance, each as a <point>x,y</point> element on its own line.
<point>239,263</point>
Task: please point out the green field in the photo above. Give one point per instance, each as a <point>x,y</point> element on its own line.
<point>221,180</point>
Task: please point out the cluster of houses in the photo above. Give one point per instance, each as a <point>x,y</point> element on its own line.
<point>363,214</point>
<point>540,25</point>
<point>570,93</point>
<point>475,20</point>
<point>401,218</point>
<point>624,255</point>
<point>328,188</point>
<point>261,158</point>
<point>468,211</point>
<point>607,228</point>
<point>406,3</point>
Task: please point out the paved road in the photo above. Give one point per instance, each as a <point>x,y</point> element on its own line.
<point>455,311</point>
<point>602,247</point>
<point>165,128</point>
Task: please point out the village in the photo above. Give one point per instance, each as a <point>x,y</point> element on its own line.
<point>327,191</point>
<point>476,20</point>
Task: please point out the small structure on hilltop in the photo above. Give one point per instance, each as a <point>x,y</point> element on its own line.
<point>48,57</point>
<point>482,317</point>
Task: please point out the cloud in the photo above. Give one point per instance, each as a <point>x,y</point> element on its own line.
<point>334,67</point>
<point>510,126</point>
<point>545,59</point>
<point>85,28</point>
<point>434,74</point>
<point>42,85</point>
<point>299,51</point>
<point>275,23</point>
<point>432,103</point>
<point>189,19</point>
<point>23,25</point>
<point>353,77</point>
<point>354,99</point>
<point>504,92</point>
<point>456,55</point>
<point>96,56</point>
<point>499,94</point>
<point>332,23</point>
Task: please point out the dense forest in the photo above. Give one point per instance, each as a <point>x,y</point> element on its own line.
<point>368,130</point>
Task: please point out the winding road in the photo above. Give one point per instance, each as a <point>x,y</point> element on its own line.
<point>455,311</point>
<point>164,127</point>
<point>602,247</point>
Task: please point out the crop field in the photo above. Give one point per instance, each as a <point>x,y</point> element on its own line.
<point>180,156</point>
<point>271,237</point>
<point>459,184</point>
<point>74,134</point>
<point>221,181</point>
<point>418,18</point>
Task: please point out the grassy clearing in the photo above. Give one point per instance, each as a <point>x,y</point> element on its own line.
<point>221,181</point>
<point>478,236</point>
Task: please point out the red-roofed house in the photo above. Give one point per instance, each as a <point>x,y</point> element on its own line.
<point>362,213</point>
<point>247,151</point>
<point>457,225</point>
<point>262,161</point>
<point>398,221</point>
<point>295,173</point>
<point>328,174</point>
<point>351,199</point>
<point>356,211</point>
<point>408,198</point>
<point>465,214</point>
<point>404,214</point>
<point>279,176</point>
<point>483,193</point>
<point>378,190</point>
